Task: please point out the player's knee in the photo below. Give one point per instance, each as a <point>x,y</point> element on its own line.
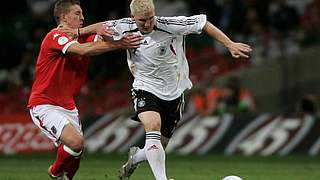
<point>77,144</point>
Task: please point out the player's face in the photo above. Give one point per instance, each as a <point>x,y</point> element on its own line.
<point>145,21</point>
<point>74,18</point>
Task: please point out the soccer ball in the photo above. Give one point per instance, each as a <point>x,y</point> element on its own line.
<point>232,178</point>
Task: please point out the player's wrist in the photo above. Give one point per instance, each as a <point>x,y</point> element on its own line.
<point>228,44</point>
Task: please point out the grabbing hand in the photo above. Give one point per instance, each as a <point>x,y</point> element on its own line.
<point>106,31</point>
<point>130,41</point>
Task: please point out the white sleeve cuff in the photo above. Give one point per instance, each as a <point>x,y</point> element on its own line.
<point>65,48</point>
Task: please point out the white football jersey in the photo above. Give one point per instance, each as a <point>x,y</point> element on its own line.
<point>159,65</point>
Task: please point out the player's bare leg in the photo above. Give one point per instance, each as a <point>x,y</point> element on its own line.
<point>70,148</point>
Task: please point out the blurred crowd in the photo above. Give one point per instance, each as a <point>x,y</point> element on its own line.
<point>212,99</point>
<point>274,28</point>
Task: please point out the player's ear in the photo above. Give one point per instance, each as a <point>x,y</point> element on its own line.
<point>62,17</point>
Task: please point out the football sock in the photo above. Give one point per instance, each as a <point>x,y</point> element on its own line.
<point>64,157</point>
<point>73,167</point>
<point>155,154</point>
<point>139,156</point>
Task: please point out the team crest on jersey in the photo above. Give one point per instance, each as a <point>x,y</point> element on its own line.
<point>54,130</point>
<point>141,103</point>
<point>62,40</point>
<point>162,50</point>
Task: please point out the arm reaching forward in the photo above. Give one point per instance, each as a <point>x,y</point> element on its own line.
<point>100,29</point>
<point>236,49</point>
<point>128,41</point>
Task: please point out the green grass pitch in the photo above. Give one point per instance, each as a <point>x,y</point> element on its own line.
<point>208,167</point>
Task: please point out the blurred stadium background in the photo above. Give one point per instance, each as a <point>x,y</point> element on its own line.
<point>271,123</point>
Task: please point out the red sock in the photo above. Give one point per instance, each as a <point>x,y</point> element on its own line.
<point>62,160</point>
<point>73,167</point>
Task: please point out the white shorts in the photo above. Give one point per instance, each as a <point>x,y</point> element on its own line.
<point>52,119</point>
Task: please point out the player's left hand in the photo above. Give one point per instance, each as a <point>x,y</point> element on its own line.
<point>106,31</point>
<point>239,50</point>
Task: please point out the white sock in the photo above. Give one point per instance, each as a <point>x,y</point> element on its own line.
<point>139,156</point>
<point>155,154</point>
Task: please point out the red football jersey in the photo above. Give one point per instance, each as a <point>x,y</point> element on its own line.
<point>58,76</point>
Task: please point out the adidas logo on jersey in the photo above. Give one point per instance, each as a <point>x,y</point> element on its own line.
<point>145,42</point>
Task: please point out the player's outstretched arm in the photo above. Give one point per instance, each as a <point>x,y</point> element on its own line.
<point>236,49</point>
<point>128,41</point>
<point>91,29</point>
<point>98,28</point>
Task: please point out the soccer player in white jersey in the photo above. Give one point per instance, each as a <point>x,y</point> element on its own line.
<point>161,75</point>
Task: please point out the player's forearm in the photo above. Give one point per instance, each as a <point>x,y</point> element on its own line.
<point>91,29</point>
<point>93,48</point>
<point>102,47</point>
<point>216,33</point>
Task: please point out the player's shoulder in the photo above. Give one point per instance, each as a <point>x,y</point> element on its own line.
<point>168,18</point>
<point>124,21</point>
<point>170,21</point>
<point>179,20</point>
<point>55,31</point>
<point>55,38</point>
<point>54,34</point>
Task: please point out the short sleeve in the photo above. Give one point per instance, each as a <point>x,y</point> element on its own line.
<point>59,41</point>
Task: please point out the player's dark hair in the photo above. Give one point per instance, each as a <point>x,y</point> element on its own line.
<point>62,7</point>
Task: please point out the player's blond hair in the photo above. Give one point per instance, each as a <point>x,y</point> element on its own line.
<point>140,6</point>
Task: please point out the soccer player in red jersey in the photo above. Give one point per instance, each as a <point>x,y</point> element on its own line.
<point>61,69</point>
